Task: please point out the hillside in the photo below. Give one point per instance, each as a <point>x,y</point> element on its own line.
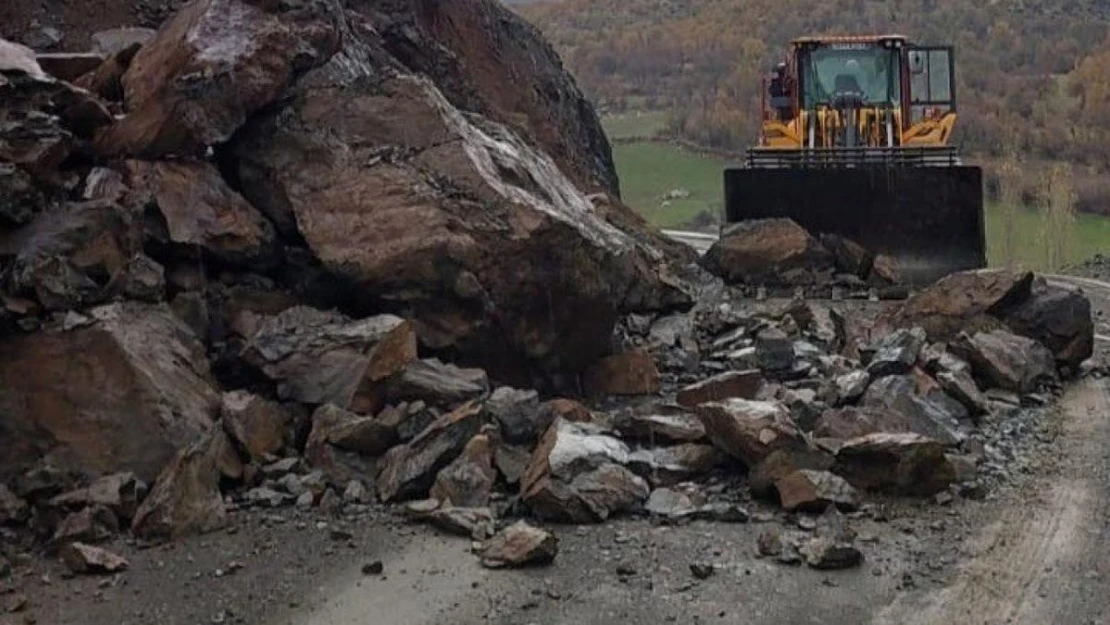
<point>1033,75</point>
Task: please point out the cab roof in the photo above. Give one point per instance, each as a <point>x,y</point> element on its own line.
<point>832,39</point>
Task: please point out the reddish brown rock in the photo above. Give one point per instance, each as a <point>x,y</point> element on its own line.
<point>409,470</point>
<point>81,559</point>
<point>904,463</point>
<point>518,545</point>
<point>629,373</point>
<point>1007,361</point>
<point>106,80</point>
<point>69,66</point>
<point>468,480</point>
<point>668,465</point>
<point>750,430</point>
<point>961,301</point>
<point>660,425</point>
<point>119,492</point>
<point>739,384</point>
<point>814,491</point>
<point>212,66</point>
<point>335,430</point>
<point>437,383</point>
<point>92,525</point>
<point>770,251</point>
<point>162,394</point>
<point>781,463</point>
<point>255,423</point>
<point>319,357</point>
<point>186,498</point>
<point>200,212</point>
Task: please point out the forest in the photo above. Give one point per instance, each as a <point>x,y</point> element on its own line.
<point>1033,75</point>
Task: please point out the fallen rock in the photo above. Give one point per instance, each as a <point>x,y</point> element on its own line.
<point>896,353</point>
<point>750,430</point>
<point>782,463</point>
<point>94,524</point>
<point>437,383</point>
<point>186,497</point>
<point>669,503</point>
<point>68,66</point>
<point>1007,361</point>
<point>960,385</point>
<point>182,97</point>
<point>851,386</point>
<point>335,427</point>
<point>82,559</point>
<point>905,406</point>
<point>468,480</point>
<point>814,491</point>
<point>519,544</point>
<point>13,510</point>
<point>255,423</point>
<point>850,257</point>
<point>115,40</point>
<point>774,350</point>
<point>106,80</point>
<point>409,470</point>
<point>519,415</point>
<point>767,251</point>
<point>661,425</point>
<point>163,394</point>
<point>192,210</point>
<point>668,465</point>
<point>828,553</point>
<point>904,463</point>
<point>474,523</point>
<point>512,461</point>
<point>628,373</point>
<point>267,497</point>
<point>1058,318</point>
<point>356,493</point>
<point>318,357</point>
<point>739,384</point>
<point>142,279</point>
<point>961,300</point>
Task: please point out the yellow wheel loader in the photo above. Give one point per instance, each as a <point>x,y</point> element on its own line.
<point>855,141</point>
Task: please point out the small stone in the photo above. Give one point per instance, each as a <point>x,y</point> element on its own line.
<point>769,543</point>
<point>305,500</point>
<point>373,568</point>
<point>943,498</point>
<point>626,570</point>
<point>355,493</point>
<point>828,553</point>
<point>702,570</point>
<point>518,545</point>
<point>82,558</point>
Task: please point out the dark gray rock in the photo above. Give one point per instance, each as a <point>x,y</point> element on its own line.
<point>519,415</point>
<point>896,353</point>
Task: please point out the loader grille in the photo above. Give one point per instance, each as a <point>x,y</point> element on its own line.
<point>841,157</point>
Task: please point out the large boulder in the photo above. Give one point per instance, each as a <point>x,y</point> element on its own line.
<point>904,463</point>
<point>750,430</point>
<point>1060,318</point>
<point>469,479</point>
<point>211,67</point>
<point>909,404</point>
<point>319,357</point>
<point>1007,361</point>
<point>767,251</point>
<point>475,234</point>
<point>961,301</point>
<point>409,470</point>
<point>122,393</point>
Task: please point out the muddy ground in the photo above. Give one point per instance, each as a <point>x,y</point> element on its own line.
<point>1035,550</point>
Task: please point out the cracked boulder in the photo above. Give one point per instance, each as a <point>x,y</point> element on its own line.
<point>963,301</point>
<point>577,475</point>
<point>409,470</point>
<point>475,234</point>
<point>162,396</point>
<point>212,66</point>
<point>318,357</point>
<point>1007,361</point>
<point>255,423</point>
<point>768,251</point>
<point>469,479</point>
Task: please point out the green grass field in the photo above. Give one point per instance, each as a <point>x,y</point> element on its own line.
<point>634,124</point>
<point>649,171</point>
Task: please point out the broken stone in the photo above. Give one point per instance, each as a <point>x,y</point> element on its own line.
<point>166,116</point>
<point>335,427</point>
<point>661,425</point>
<point>628,373</point>
<point>959,301</point>
<point>318,357</point>
<point>106,79</point>
<point>851,386</point>
<point>143,279</point>
<point>186,497</point>
<point>769,543</point>
<point>13,510</point>
<point>750,430</point>
<point>92,525</point>
<point>409,470</point>
<point>519,544</point>
<point>468,480</point>
<point>774,351</point>
<point>519,415</point>
<point>475,523</point>
<point>197,211</point>
<point>850,257</point>
<point>437,383</point>
<point>255,423</point>
<point>668,465</point>
<point>356,493</point>
<point>896,353</point>
<point>1008,361</point>
<point>900,408</point>
<point>767,251</point>
<point>813,491</point>
<point>960,385</point>
<point>512,461</point>
<point>268,497</point>
<point>781,463</point>
<point>741,384</point>
<point>669,503</point>
<point>828,553</point>
<point>903,463</point>
<point>81,559</point>
<point>1058,318</point>
<point>164,394</point>
<point>115,40</point>
<point>68,66</point>
<point>281,467</point>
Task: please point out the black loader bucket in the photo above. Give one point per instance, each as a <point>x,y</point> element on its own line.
<point>928,218</point>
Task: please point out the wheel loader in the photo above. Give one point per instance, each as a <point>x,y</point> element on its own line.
<point>856,141</point>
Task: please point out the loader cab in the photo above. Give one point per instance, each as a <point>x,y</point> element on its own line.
<point>838,73</point>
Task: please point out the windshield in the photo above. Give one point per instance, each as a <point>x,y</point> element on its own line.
<point>871,71</point>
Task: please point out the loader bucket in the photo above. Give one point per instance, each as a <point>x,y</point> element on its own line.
<point>928,218</point>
